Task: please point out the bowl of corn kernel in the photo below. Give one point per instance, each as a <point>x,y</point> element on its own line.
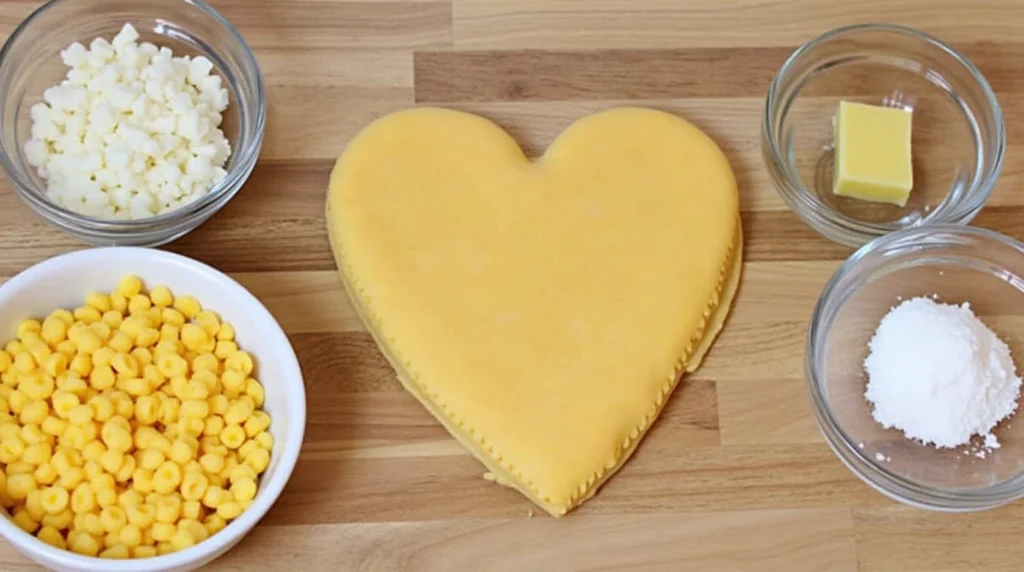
<point>151,411</point>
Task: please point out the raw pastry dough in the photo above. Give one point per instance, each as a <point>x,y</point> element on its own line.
<point>542,311</point>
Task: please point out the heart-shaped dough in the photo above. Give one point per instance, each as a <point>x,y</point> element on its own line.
<point>542,311</point>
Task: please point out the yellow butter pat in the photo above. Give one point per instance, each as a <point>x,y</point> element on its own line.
<point>873,160</point>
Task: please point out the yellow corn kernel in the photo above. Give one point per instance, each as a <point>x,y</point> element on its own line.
<point>125,364</point>
<point>88,342</point>
<point>233,380</point>
<point>72,477</point>
<point>151,459</point>
<point>167,477</point>
<point>161,296</point>
<point>191,509</point>
<point>18,486</point>
<point>224,348</point>
<point>51,536</point>
<point>218,404</point>
<point>182,540</point>
<point>130,498</point>
<point>20,468</point>
<point>212,463</point>
<point>101,330</point>
<point>229,510</point>
<point>139,303</point>
<point>34,505</point>
<point>142,480</point>
<point>83,543</point>
<point>81,364</point>
<point>226,332</point>
<point>102,407</point>
<point>172,317</point>
<point>24,362</point>
<point>143,357</point>
<point>116,552</point>
<point>70,382</point>
<point>172,365</point>
<point>36,412</point>
<point>188,306</point>
<point>120,342</point>
<point>168,509</point>
<point>193,485</point>
<point>194,408</point>
<point>103,356</point>
<point>113,319</point>
<point>81,414</point>
<point>59,520</point>
<point>137,386</point>
<point>98,300</point>
<point>92,467</point>
<point>63,403</point>
<point>214,524</point>
<point>169,410</point>
<point>243,489</point>
<point>5,360</point>
<point>147,337</point>
<point>232,436</point>
<point>147,408</point>
<point>54,499</point>
<point>123,404</point>
<point>142,515</point>
<point>11,449</point>
<point>45,474</point>
<point>193,336</point>
<point>111,461</point>
<point>180,453</point>
<point>258,459</point>
<point>54,330</point>
<point>82,499</point>
<point>163,530</point>
<point>131,536</point>
<point>129,286</point>
<point>64,459</point>
<point>32,434</point>
<point>27,326</point>
<point>209,321</point>
<point>116,438</point>
<point>24,521</point>
<point>168,333</point>
<point>113,518</point>
<point>87,314</point>
<point>144,551</point>
<point>38,453</point>
<point>238,413</point>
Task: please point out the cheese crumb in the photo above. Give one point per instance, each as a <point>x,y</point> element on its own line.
<point>939,375</point>
<point>131,132</point>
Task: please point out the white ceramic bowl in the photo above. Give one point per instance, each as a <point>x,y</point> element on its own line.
<point>64,280</point>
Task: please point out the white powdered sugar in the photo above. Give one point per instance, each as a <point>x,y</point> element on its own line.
<point>939,375</point>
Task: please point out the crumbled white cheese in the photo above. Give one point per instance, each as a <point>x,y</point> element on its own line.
<point>131,132</point>
<point>937,373</point>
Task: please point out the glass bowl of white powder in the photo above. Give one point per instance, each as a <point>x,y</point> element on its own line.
<point>914,353</point>
<point>147,148</point>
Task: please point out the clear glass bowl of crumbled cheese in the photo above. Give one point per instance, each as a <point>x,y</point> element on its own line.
<point>128,122</point>
<point>914,356</point>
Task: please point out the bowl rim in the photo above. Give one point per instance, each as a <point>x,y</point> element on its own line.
<point>235,177</point>
<point>295,419</point>
<point>845,230</point>
<point>868,470</point>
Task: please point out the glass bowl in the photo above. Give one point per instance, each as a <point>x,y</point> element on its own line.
<point>957,264</point>
<point>958,136</point>
<point>30,62</point>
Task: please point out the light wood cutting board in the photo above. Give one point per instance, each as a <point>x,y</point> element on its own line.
<point>734,476</point>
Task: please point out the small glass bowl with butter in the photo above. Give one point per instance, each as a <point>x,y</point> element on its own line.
<point>31,62</point>
<point>916,115</point>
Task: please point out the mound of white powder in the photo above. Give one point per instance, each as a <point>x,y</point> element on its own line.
<point>939,375</point>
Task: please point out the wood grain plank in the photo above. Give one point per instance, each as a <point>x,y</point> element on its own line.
<point>898,538</point>
<point>765,541</point>
<point>320,67</point>
<point>558,75</point>
<point>360,25</point>
<point>765,412</point>
<point>531,75</point>
<point>605,24</point>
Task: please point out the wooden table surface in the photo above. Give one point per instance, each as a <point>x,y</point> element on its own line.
<point>734,476</point>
